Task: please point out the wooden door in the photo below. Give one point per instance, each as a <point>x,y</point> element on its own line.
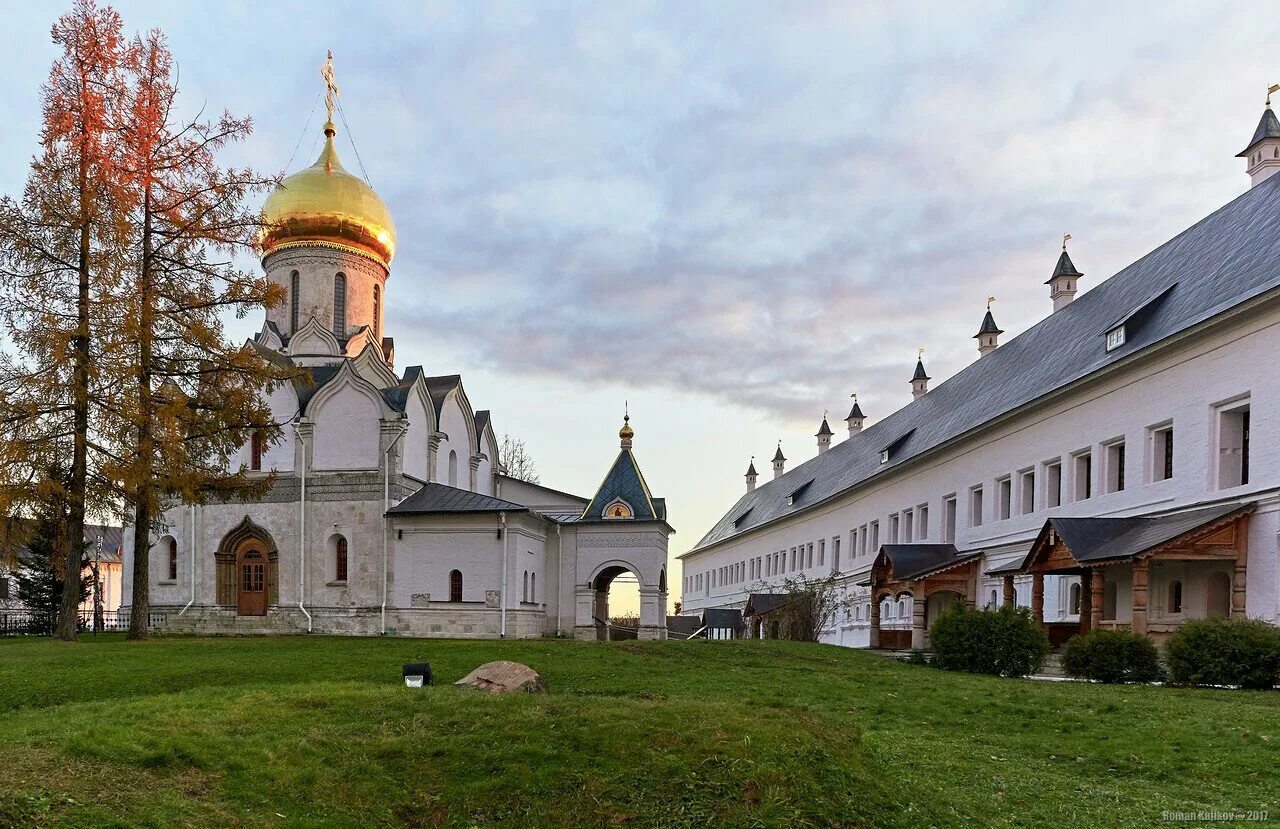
<point>251,583</point>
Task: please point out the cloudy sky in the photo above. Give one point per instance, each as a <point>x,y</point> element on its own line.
<point>731,214</point>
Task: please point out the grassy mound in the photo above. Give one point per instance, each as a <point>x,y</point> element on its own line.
<point>321,732</point>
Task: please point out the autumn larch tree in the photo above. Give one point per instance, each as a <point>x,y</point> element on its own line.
<point>191,399</point>
<point>61,250</point>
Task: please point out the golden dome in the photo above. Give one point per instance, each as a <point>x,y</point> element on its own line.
<point>325,205</point>
<point>626,433</point>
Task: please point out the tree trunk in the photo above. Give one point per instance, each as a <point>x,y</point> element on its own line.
<point>68,611</point>
<point>144,471</point>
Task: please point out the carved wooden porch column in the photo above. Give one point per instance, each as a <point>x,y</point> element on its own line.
<point>1086,602</point>
<point>1037,598</point>
<point>1139,582</point>
<point>1010,596</point>
<point>875,621</point>
<point>1097,590</point>
<point>1238,581</point>
<point>917,617</point>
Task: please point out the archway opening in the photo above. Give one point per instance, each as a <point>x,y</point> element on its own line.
<point>617,604</point>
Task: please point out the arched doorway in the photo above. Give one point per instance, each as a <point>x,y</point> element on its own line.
<point>247,565</point>
<point>616,609</point>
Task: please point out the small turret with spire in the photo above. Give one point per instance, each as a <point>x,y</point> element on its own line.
<point>779,461</point>
<point>919,380</point>
<point>1262,156</point>
<point>1062,284</point>
<point>824,435</point>
<point>988,335</point>
<point>856,418</point>
<point>751,474</point>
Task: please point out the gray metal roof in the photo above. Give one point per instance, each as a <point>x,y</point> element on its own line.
<point>439,387</point>
<point>1104,539</point>
<point>759,604</point>
<point>914,561</point>
<point>723,617</point>
<point>1230,256</point>
<point>988,326</point>
<point>436,499</point>
<point>1268,127</point>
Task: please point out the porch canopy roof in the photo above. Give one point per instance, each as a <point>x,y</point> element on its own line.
<point>722,617</point>
<point>1075,544</point>
<point>913,562</point>
<point>758,604</point>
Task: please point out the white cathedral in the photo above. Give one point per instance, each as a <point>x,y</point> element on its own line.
<point>390,511</point>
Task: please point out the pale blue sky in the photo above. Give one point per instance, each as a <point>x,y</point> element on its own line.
<point>732,214</point>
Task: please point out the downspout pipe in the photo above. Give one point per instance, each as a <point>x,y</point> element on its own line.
<point>386,520</point>
<point>559,581</point>
<point>302,531</point>
<point>192,600</point>
<point>502,521</point>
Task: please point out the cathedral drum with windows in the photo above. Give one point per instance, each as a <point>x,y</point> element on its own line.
<point>390,511</point>
<point>1116,465</point>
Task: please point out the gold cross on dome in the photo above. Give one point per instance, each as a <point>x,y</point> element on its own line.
<point>331,86</point>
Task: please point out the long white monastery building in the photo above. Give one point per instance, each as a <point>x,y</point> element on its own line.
<point>1117,464</point>
<point>390,511</point>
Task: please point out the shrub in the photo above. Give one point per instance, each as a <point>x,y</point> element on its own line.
<point>1112,656</point>
<point>1004,642</point>
<point>917,658</point>
<point>1243,652</point>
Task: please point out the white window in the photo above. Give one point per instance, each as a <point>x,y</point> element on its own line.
<point>894,526</point>
<point>822,552</point>
<point>1027,491</point>
<point>1004,497</point>
<point>1052,484</point>
<point>949,519</point>
<point>875,538</point>
<point>908,527</point>
<point>1233,445</point>
<point>1115,338</point>
<point>1082,476</point>
<point>835,553</point>
<point>975,507</point>
<point>863,539</point>
<point>1160,442</point>
<point>922,527</point>
<point>1114,471</point>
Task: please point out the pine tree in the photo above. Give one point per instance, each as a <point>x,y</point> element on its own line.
<point>61,249</point>
<point>190,399</point>
<point>40,576</point>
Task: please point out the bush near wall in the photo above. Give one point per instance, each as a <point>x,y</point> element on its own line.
<point>1243,652</point>
<point>1003,642</point>
<point>1112,656</point>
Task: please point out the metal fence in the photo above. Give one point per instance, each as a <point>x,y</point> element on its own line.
<point>37,623</point>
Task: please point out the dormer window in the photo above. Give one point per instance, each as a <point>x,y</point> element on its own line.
<point>884,456</point>
<point>1115,338</point>
<point>618,508</point>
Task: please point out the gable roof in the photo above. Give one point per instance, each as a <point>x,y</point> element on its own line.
<point>1226,259</point>
<point>915,561</point>
<point>437,499</point>
<point>1105,539</point>
<point>1268,127</point>
<point>624,481</point>
<point>759,604</point>
<point>723,617</point>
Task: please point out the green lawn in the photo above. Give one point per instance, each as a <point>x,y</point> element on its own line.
<point>321,732</point>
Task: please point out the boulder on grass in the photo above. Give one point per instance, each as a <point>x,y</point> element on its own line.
<point>504,678</point>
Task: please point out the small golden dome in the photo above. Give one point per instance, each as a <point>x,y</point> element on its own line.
<point>626,433</point>
<point>325,205</point>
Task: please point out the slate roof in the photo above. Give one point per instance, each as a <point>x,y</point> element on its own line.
<point>988,326</point>
<point>625,481</point>
<point>723,617</point>
<point>824,429</point>
<point>683,625</point>
<point>1065,267</point>
<point>915,561</point>
<point>856,411</point>
<point>920,372</point>
<point>482,420</point>
<point>111,541</point>
<point>439,387</point>
<point>751,468</point>
<point>1229,257</point>
<point>1268,127</point>
<point>1105,539</point>
<point>778,456</point>
<point>437,499</point>
<point>759,604</point>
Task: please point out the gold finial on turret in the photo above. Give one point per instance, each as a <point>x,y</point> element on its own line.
<point>626,433</point>
<point>990,300</point>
